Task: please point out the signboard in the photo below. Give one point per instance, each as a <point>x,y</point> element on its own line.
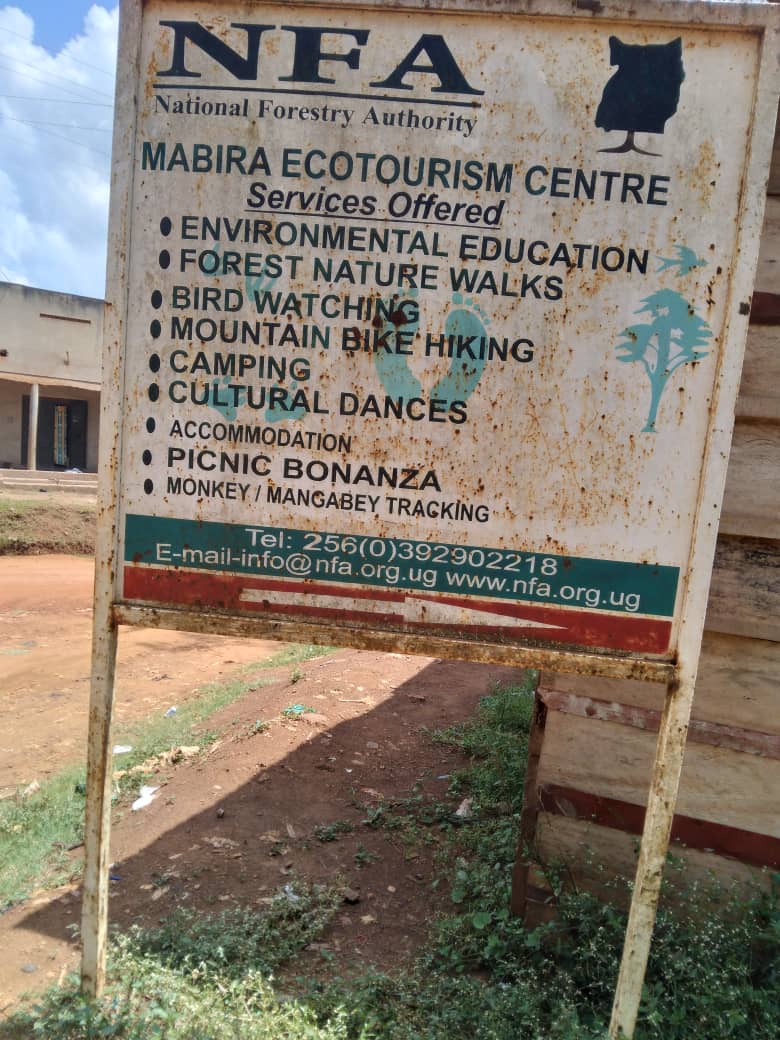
<point>426,317</point>
<point>425,325</point>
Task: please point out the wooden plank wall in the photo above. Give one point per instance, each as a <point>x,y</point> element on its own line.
<point>585,805</point>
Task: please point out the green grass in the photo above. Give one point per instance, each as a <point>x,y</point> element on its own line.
<point>326,832</point>
<point>154,736</point>
<point>714,972</point>
<point>40,526</point>
<point>298,653</point>
<point>156,1002</point>
<point>240,940</point>
<point>36,832</point>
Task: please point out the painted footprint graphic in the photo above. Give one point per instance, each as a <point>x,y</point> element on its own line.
<point>228,411</point>
<point>256,289</point>
<point>393,370</point>
<point>466,322</point>
<point>258,286</point>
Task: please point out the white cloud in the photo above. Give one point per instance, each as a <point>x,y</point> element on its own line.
<point>56,117</point>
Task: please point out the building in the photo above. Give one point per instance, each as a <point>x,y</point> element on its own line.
<point>50,354</point>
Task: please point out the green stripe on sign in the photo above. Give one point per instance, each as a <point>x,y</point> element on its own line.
<point>403,563</point>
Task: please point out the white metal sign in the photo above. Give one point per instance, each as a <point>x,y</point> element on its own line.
<point>425,331</point>
<point>426,316</point>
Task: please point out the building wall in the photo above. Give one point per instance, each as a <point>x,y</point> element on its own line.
<point>55,340</point>
<point>10,423</point>
<point>50,334</point>
<point>11,405</point>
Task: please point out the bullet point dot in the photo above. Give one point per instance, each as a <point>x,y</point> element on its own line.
<point>148,486</point>
<point>166,225</point>
<point>165,259</point>
<point>154,392</point>
<point>155,328</point>
<point>146,458</point>
<point>151,425</point>
<point>157,299</point>
<point>154,362</point>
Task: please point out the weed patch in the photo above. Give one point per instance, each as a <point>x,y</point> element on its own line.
<point>238,941</point>
<point>154,1002</point>
<point>326,832</point>
<point>482,975</point>
<point>37,832</point>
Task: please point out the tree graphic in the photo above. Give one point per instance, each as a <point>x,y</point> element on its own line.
<point>668,340</point>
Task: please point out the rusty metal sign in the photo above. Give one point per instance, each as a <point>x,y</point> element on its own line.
<point>424,332</point>
<point>426,317</point>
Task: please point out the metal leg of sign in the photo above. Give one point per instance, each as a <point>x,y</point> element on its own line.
<point>530,813</point>
<point>652,854</point>
<point>94,914</point>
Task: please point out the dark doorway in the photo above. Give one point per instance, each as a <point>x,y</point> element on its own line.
<point>62,433</point>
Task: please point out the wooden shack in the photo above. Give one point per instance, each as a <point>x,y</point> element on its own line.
<point>593,741</point>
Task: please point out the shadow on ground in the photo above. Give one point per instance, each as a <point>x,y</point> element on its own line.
<point>230,829</point>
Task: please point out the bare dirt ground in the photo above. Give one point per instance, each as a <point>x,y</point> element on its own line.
<point>229,828</point>
<point>45,636</point>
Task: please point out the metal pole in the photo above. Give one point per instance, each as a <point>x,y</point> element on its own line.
<point>94,918</point>
<point>662,797</point>
<point>673,731</point>
<point>32,428</point>
<point>97,825</point>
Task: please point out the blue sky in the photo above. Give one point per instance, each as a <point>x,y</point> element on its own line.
<point>56,114</point>
<point>56,21</point>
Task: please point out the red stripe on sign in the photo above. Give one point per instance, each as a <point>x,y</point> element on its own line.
<point>196,589</point>
<point>308,587</point>
<point>584,627</point>
<point>760,850</point>
<point>224,592</point>
<point>639,635</point>
<point>326,613</point>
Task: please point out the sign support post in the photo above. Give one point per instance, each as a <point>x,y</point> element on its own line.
<point>673,730</point>
<point>97,827</point>
<point>664,786</point>
<point>105,634</point>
